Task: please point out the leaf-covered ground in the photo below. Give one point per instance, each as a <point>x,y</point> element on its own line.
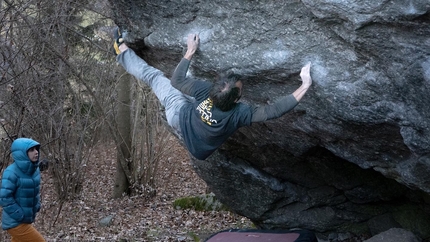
<point>134,218</point>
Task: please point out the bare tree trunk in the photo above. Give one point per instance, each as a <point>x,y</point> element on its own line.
<point>122,183</point>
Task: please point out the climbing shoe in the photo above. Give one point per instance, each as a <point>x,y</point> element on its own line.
<point>118,40</point>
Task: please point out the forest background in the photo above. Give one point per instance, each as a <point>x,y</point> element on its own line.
<point>114,169</point>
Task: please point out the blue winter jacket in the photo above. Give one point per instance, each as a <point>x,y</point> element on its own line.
<point>20,186</point>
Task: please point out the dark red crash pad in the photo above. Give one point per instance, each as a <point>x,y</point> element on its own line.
<point>256,235</point>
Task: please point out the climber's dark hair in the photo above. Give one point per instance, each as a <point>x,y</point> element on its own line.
<point>224,93</point>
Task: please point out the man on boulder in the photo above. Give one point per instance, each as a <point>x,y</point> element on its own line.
<point>214,112</point>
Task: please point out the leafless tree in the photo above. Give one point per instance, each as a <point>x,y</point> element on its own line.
<point>141,137</point>
<point>54,75</point>
<point>59,86</point>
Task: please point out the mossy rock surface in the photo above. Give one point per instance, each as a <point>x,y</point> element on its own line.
<point>205,202</point>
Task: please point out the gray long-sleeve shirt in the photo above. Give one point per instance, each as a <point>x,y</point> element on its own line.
<point>204,126</point>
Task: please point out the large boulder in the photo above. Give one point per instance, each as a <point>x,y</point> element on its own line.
<point>356,149</point>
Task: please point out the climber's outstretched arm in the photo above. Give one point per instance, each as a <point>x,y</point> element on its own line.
<point>179,78</point>
<point>285,104</point>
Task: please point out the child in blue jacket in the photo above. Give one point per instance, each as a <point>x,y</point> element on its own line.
<point>20,191</point>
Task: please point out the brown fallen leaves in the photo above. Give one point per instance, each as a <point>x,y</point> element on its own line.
<point>134,218</point>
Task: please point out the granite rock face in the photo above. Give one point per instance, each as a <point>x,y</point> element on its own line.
<point>356,150</point>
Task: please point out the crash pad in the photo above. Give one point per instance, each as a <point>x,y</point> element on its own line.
<point>258,235</point>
